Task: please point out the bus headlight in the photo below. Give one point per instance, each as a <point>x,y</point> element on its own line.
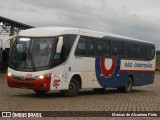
<point>9,74</point>
<point>41,77</point>
<point>44,76</point>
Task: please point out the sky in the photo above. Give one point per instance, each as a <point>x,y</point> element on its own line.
<point>132,18</point>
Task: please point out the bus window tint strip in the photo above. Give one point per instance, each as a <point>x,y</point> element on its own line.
<point>114,49</point>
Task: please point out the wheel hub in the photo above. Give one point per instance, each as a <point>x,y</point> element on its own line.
<point>71,87</point>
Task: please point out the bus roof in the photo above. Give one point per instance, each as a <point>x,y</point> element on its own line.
<point>48,31</point>
<point>55,31</point>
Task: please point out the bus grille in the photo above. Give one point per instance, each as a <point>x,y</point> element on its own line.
<point>23,78</point>
<point>23,85</point>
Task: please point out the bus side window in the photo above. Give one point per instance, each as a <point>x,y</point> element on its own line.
<point>129,50</point>
<point>85,47</point>
<point>81,47</point>
<point>106,48</point>
<point>99,47</point>
<point>140,53</point>
<point>64,46</point>
<point>68,41</point>
<point>150,52</point>
<point>102,47</point>
<point>89,46</point>
<point>117,49</point>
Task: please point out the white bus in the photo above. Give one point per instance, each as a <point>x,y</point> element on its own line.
<point>70,59</point>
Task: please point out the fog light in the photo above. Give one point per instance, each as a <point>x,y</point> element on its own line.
<point>43,85</point>
<point>9,74</point>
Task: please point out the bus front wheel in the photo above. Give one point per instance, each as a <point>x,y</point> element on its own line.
<point>73,89</point>
<point>128,86</point>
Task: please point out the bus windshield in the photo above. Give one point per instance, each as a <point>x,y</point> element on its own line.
<point>32,53</point>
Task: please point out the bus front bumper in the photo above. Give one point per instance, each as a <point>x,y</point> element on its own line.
<point>40,84</point>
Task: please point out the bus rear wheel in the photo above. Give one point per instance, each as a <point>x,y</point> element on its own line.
<point>73,89</point>
<point>40,92</point>
<point>128,86</point>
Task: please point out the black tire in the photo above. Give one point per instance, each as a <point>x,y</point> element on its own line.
<point>128,86</point>
<point>99,90</point>
<point>73,89</point>
<point>120,89</point>
<point>40,92</point>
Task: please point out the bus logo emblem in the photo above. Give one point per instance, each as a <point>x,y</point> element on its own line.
<point>107,73</point>
<point>56,83</point>
<point>106,77</point>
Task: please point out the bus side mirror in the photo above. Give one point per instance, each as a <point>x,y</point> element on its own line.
<point>59,44</point>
